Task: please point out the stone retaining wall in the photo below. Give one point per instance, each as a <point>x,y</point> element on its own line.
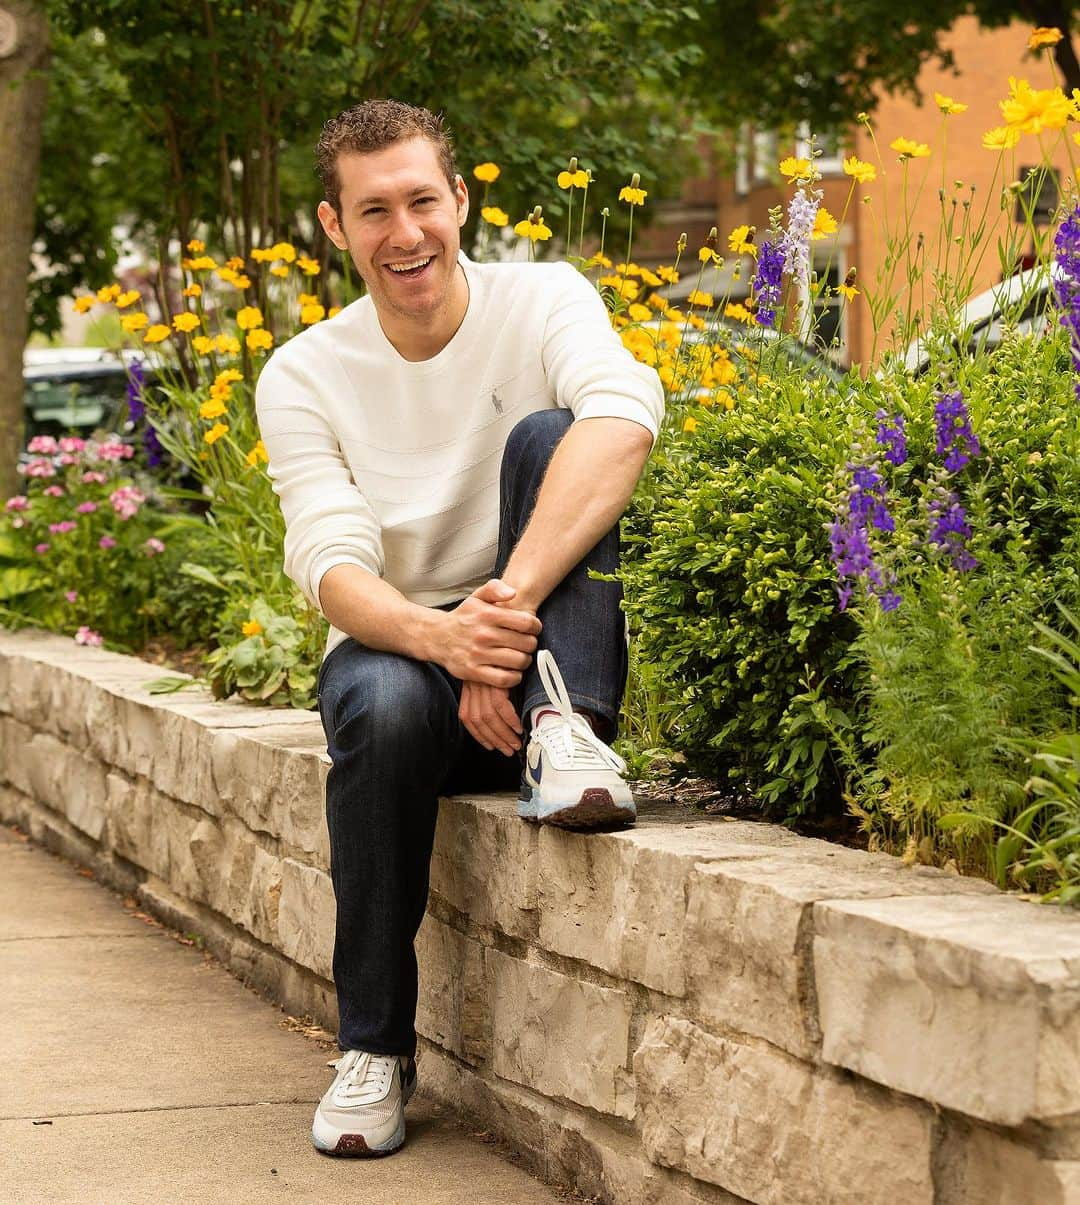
<point>693,1011</point>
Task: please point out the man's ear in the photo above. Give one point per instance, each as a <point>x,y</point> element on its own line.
<point>332,225</point>
<point>461,192</point>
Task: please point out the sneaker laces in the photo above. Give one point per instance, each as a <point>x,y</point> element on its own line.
<point>570,740</point>
<point>367,1077</point>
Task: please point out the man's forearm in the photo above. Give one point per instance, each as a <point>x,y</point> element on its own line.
<point>588,484</point>
<point>369,609</point>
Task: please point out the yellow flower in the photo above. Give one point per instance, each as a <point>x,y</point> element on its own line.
<point>536,231</point>
<point>126,299</point>
<point>668,274</point>
<point>656,301</point>
<point>203,345</point>
<point>739,313</point>
<point>947,105</point>
<point>221,391</point>
<point>598,261</point>
<point>622,285</point>
<point>707,255</point>
<point>333,311</point>
<point>859,170</point>
<point>848,291</point>
<point>632,196</point>
<point>212,408</point>
<point>1035,110</point>
<point>285,251</point>
<point>227,345</point>
<point>242,281</point>
<point>307,299</point>
<point>202,263</point>
<point>690,426</point>
<point>259,340</point>
<point>108,293</point>
<point>697,297</point>
<point>216,432</point>
<point>908,148</point>
<point>257,453</point>
<point>310,314</point>
<point>824,224</point>
<point>628,269</point>
<point>185,322</point>
<point>741,241</point>
<point>156,333</point>
<point>494,215</point>
<point>650,278</point>
<point>195,246</point>
<point>1045,35</point>
<point>227,274</point>
<point>280,270</point>
<point>486,173</point>
<point>1002,138</point>
<point>794,169</point>
<point>133,322</point>
<point>639,313</point>
<point>578,179</point>
<point>307,265</point>
<point>248,318</point>
<point>83,304</point>
<point>251,628</point>
<point>192,291</point>
<point>673,314</point>
<point>228,375</point>
<point>263,255</point>
<point>697,323</point>
<point>236,262</point>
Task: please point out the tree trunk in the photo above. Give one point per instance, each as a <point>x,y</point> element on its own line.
<point>24,62</point>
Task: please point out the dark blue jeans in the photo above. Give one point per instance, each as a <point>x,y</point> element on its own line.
<point>396,744</point>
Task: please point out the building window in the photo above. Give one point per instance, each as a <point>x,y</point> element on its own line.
<point>742,161</point>
<point>831,160</point>
<point>764,156</point>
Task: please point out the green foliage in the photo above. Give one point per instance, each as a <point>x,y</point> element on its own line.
<point>277,663</point>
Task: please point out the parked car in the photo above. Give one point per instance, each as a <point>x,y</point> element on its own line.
<point>74,391</point>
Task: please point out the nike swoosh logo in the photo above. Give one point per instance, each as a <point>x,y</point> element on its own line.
<point>537,770</point>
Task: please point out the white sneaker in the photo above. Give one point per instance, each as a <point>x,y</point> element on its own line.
<point>363,1111</point>
<point>572,779</point>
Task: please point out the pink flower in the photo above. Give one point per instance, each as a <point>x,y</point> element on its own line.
<point>44,445</point>
<point>90,477</point>
<point>106,542</point>
<point>71,443</point>
<point>41,549</point>
<point>40,468</point>
<point>126,501</point>
<point>66,458</point>
<point>54,491</point>
<point>153,546</point>
<point>113,449</point>
<point>86,508</point>
<point>87,636</point>
<point>18,502</point>
<point>71,595</point>
<point>60,529</point>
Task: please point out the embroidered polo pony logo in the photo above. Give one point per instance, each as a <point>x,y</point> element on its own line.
<point>496,401</point>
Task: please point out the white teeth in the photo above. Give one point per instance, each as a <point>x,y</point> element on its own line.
<point>407,267</point>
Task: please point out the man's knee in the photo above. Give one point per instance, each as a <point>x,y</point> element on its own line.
<point>536,435</point>
<point>379,696</point>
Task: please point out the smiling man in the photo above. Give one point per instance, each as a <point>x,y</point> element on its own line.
<point>452,454</point>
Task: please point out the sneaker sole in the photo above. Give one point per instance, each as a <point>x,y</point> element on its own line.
<point>594,810</point>
<point>355,1146</point>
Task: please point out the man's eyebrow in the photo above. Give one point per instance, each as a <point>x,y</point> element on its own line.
<point>413,192</point>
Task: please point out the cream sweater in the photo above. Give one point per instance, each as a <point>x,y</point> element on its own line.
<point>393,465</point>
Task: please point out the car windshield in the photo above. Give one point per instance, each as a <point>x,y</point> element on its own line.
<point>58,404</point>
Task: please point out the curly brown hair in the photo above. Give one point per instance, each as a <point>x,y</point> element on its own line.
<point>374,125</point>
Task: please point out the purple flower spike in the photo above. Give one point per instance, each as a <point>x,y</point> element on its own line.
<point>950,531</point>
<point>766,282</point>
<point>891,436</point>
<point>952,425</point>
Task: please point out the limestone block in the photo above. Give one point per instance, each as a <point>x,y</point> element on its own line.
<point>977,1166</point>
<point>747,933</point>
<point>773,1130</point>
<point>452,1007</point>
<point>136,826</point>
<point>66,780</point>
<point>258,908</point>
<point>913,993</point>
<point>306,917</point>
<point>484,863</point>
<point>559,1036</point>
<point>15,738</point>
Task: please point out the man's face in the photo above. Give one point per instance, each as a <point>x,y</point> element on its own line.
<point>401,223</point>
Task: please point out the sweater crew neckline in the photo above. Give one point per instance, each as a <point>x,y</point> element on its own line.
<point>459,342</point>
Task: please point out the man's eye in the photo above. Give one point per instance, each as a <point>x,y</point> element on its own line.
<point>374,209</point>
<point>426,200</point>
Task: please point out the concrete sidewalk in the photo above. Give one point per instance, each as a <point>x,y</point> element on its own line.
<point>165,1080</point>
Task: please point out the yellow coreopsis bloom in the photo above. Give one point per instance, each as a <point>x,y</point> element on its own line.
<point>628,269</point>
<point>632,196</point>
<point>227,376</point>
<point>263,255</point>
<point>697,297</point>
<point>221,391</point>
<point>706,255</point>
<point>1034,110</point>
<point>196,246</point>
<point>947,105</point>
<point>578,179</point>
<point>690,426</point>
<point>248,318</point>
<point>84,304</point>
<point>280,270</point>
<point>656,301</point>
<point>650,278</point>
<point>203,345</point>
<point>108,292</point>
<point>156,333</point>
<point>259,340</point>
<point>257,453</point>
<point>185,322</point>
<point>307,265</point>
<point>227,274</point>
<point>793,168</point>
<point>216,432</point>
<point>486,173</point>
<point>285,251</point>
<point>333,311</point>
<point>739,313</point>
<point>192,291</point>
<point>236,262</point>
<point>227,345</point>
<point>741,241</point>
<point>1044,35</point>
<point>622,285</point>
<point>908,148</point>
<point>824,224</point>
<point>1002,138</point>
<point>126,299</point>
<point>307,299</point>
<point>848,291</point>
<point>536,231</point>
<point>696,322</point>
<point>598,261</point>
<point>252,627</point>
<point>310,314</point>
<point>668,274</point>
<point>639,313</point>
<point>133,322</point>
<point>202,263</point>
<point>212,408</point>
<point>859,170</point>
<point>494,216</point>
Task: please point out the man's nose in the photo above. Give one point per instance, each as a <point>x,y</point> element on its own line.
<point>405,231</point>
